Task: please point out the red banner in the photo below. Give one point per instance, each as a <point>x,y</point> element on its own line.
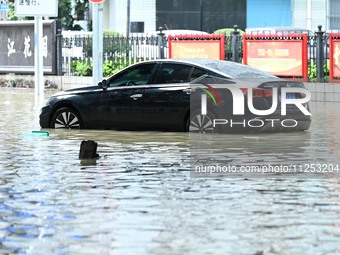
<point>281,56</point>
<point>200,46</point>
<point>334,57</point>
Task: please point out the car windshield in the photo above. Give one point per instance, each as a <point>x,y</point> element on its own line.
<point>233,70</point>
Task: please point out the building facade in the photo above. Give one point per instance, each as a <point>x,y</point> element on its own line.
<point>205,15</point>
<point>133,16</point>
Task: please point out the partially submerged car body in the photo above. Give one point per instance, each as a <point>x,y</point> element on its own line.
<point>166,95</point>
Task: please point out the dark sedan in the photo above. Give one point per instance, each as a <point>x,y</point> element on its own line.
<point>183,95</point>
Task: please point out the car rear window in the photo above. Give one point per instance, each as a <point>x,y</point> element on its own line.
<point>173,73</point>
<point>231,69</point>
<point>236,70</point>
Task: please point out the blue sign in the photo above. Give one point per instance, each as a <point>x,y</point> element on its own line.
<point>4,7</point>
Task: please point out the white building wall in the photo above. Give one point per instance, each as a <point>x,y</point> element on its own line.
<point>106,15</point>
<point>144,11</point>
<point>140,11</point>
<point>334,15</point>
<point>305,14</point>
<point>310,14</point>
<point>319,14</point>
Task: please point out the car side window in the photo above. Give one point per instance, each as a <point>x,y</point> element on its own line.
<point>173,73</point>
<point>136,75</point>
<point>197,72</point>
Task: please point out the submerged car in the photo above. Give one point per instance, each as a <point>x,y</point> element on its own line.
<point>198,95</point>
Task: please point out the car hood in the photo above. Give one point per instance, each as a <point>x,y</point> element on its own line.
<point>77,91</point>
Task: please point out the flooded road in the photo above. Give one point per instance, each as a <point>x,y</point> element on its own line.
<point>139,196</point>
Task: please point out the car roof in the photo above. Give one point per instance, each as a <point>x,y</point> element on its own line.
<point>223,67</point>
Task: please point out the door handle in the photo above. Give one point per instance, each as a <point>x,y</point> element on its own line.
<point>136,96</point>
<point>188,91</point>
<point>114,94</point>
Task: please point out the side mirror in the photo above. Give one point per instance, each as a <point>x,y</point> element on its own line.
<point>103,84</point>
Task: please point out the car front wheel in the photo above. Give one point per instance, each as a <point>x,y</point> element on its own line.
<point>66,118</point>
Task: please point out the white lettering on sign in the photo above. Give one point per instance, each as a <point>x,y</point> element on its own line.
<point>28,2</point>
<point>10,47</point>
<point>27,52</point>
<point>30,8</point>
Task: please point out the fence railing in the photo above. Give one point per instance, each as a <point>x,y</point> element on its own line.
<point>119,52</point>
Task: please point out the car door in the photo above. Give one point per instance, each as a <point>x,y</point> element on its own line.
<point>120,105</point>
<point>167,99</point>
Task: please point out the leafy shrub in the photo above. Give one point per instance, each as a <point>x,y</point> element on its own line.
<point>84,68</point>
<point>312,75</point>
<point>3,83</point>
<point>16,83</point>
<point>73,65</point>
<point>20,83</point>
<point>110,68</point>
<point>11,12</point>
<point>312,71</point>
<point>50,85</point>
<point>81,67</point>
<point>23,83</point>
<point>228,31</point>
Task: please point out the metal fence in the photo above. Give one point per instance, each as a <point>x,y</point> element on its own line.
<point>119,52</point>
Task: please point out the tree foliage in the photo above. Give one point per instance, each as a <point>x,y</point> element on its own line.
<point>228,31</point>
<point>64,14</point>
<point>11,13</point>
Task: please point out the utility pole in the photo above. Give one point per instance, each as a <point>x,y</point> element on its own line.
<point>309,14</point>
<point>128,19</point>
<point>97,40</point>
<point>201,15</point>
<point>38,9</point>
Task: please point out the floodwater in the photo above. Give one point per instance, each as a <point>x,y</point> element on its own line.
<point>139,197</point>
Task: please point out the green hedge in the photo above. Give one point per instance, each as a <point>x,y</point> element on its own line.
<point>312,71</point>
<point>84,68</point>
<point>228,31</point>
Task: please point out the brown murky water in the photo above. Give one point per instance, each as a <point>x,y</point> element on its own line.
<point>139,196</point>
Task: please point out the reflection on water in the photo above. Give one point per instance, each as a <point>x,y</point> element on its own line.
<point>138,197</point>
